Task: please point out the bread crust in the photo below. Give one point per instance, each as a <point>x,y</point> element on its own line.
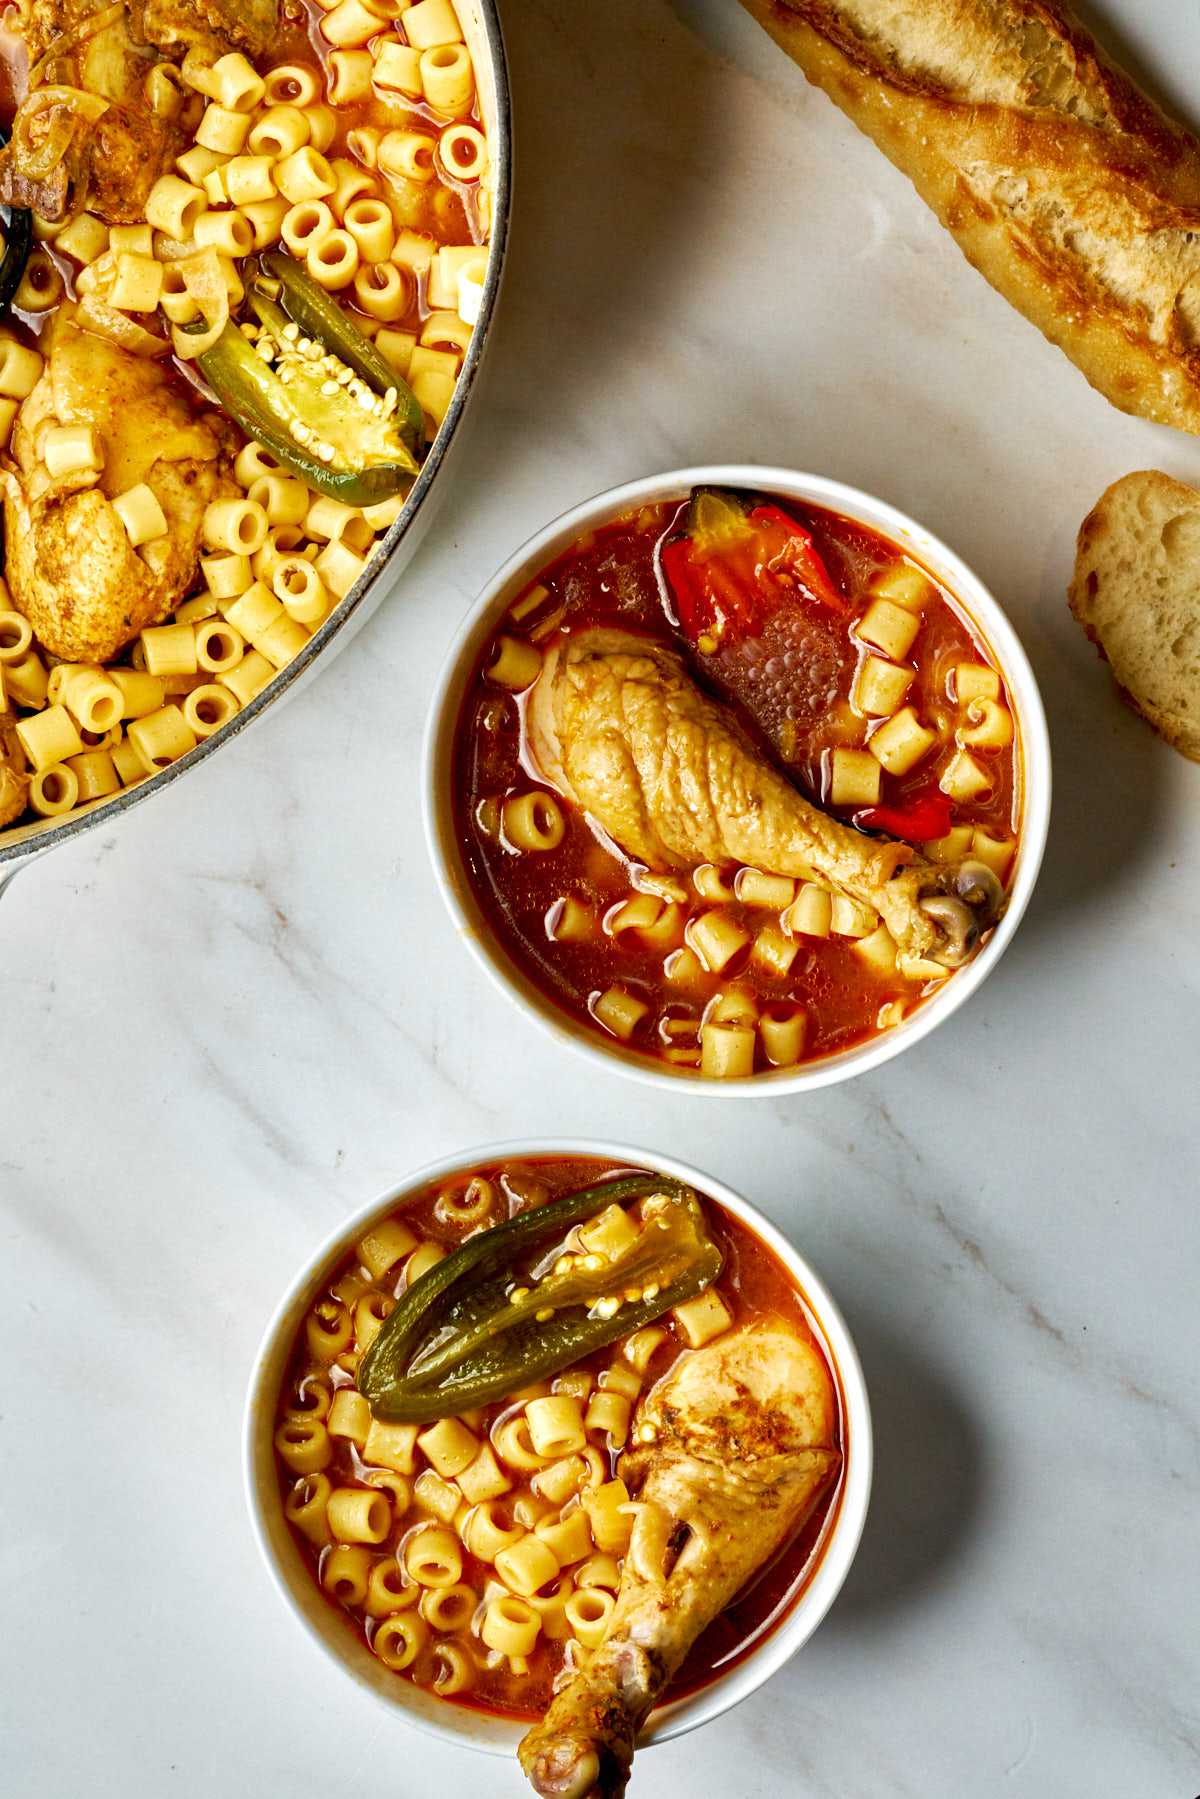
<point>1120,553</point>
<point>1059,180</point>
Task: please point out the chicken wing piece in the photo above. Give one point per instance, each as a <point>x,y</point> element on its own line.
<point>744,1442</point>
<point>617,724</point>
<point>71,568</point>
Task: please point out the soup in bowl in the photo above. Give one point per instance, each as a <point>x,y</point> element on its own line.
<point>553,1434</point>
<point>739,776</point>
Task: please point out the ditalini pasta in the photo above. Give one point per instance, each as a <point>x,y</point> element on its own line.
<point>480,1555</point>
<point>876,706</point>
<point>355,145</point>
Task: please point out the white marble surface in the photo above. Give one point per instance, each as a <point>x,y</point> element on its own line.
<point>243,1013</point>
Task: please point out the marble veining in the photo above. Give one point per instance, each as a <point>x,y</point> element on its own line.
<point>245,1012</point>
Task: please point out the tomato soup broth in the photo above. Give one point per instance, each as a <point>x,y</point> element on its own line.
<point>436,1634</point>
<point>614,948</point>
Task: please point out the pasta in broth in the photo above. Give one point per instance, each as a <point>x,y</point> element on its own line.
<point>355,144</point>
<point>480,1555</point>
<point>880,702</point>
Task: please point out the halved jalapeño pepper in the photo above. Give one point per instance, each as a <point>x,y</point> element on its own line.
<point>494,1316</point>
<point>315,392</point>
<point>735,559</point>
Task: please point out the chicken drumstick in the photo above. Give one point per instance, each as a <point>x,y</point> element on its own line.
<point>742,1441</point>
<point>616,723</point>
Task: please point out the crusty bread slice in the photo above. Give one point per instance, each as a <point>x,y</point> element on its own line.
<point>1058,178</point>
<point>1136,592</point>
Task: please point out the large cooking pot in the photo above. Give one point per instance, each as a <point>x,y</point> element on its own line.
<point>481,27</point>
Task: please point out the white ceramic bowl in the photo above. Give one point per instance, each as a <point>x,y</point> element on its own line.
<point>985,614</point>
<point>477,1730</point>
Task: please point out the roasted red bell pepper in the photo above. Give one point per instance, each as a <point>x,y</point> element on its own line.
<point>736,560</point>
<point>921,819</point>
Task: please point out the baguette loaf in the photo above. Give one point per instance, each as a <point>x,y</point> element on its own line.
<point>1136,592</point>
<point>1062,183</point>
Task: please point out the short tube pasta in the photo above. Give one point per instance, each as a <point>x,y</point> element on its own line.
<point>381,290</point>
<point>384,1246</point>
<point>54,790</point>
<point>516,664</point>
<point>16,636</point>
<point>305,225</point>
<point>486,1531</point>
<point>48,737</point>
<point>279,133</point>
<point>454,1670</point>
<point>369,222</point>
<point>783,1030</point>
<point>161,737</point>
<point>208,707</point>
<point>399,1639</point>
<point>526,1565</point>
<point>291,84</point>
<point>726,1051</point>
<point>717,939</point>
<point>349,77</point>
<point>754,888</point>
<point>514,1445</point>
<point>448,79</point>
<point>333,259</point>
<point>431,22</point>
<point>433,1557</point>
<point>409,155</point>
<point>568,1537</point>
<point>170,650</point>
<point>95,773</point>
<point>304,1508</point>
<point>345,1571</point>
<point>448,1608</point>
<point>304,175</point>
<point>173,206</point>
<point>555,1425</point>
<point>300,590</point>
<point>92,698</point>
<point>350,22</point>
<point>238,527</point>
<point>510,1625</point>
<point>358,1515</point>
<point>588,1611</point>
<point>303,1445</point>
<point>387,1589</point>
<point>534,821</point>
<point>370,1312</point>
<point>228,232</point>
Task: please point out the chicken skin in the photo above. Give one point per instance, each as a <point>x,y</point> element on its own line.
<point>71,568</point>
<point>616,723</point>
<point>742,1442</point>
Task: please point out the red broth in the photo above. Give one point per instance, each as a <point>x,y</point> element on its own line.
<point>611,577</point>
<point>753,1284</point>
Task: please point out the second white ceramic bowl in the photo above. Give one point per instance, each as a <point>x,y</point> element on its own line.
<point>333,1634</point>
<point>479,626</point>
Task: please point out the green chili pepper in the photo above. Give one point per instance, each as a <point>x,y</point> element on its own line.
<point>311,407</point>
<point>319,316</point>
<point>18,241</point>
<point>474,1328</point>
